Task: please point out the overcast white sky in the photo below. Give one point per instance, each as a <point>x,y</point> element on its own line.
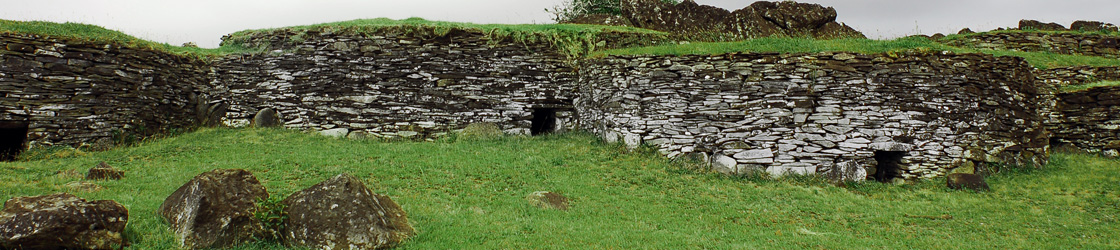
<point>206,21</point>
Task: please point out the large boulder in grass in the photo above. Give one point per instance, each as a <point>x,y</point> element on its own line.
<point>61,221</point>
<point>342,213</point>
<point>215,209</point>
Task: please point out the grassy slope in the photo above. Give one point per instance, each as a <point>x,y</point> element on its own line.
<point>1087,86</point>
<point>86,32</point>
<point>470,194</point>
<point>575,40</point>
<point>379,23</point>
<point>801,45</point>
<point>570,38</point>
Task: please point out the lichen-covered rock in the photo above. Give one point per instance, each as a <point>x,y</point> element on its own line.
<point>960,181</point>
<point>104,172</point>
<point>846,171</point>
<point>1027,24</point>
<point>760,19</point>
<point>266,118</point>
<point>834,30</point>
<point>548,200</point>
<point>215,209</point>
<point>965,31</point>
<point>1082,25</point>
<point>342,213</point>
<point>61,221</point>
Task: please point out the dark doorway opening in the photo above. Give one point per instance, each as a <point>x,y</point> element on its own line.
<point>544,121</point>
<point>888,165</point>
<point>13,135</point>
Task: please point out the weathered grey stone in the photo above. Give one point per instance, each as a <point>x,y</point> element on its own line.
<point>792,168</point>
<point>755,154</point>
<point>337,133</point>
<point>892,146</point>
<point>725,165</point>
<point>266,118</point>
<point>631,140</point>
<point>846,171</point>
<point>61,221</point>
<point>342,213</point>
<point>215,209</point>
<point>548,200</point>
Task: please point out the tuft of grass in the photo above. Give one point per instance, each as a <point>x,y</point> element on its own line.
<point>1087,86</point>
<point>471,193</point>
<point>92,33</point>
<point>1042,60</point>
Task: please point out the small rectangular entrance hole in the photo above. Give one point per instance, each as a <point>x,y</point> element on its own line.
<point>544,121</point>
<point>888,165</point>
<point>13,135</point>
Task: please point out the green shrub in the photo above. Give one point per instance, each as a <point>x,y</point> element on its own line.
<point>270,212</point>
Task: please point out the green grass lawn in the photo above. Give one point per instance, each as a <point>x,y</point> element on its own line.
<point>470,194</point>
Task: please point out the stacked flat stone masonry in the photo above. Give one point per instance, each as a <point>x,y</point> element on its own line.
<point>1065,76</point>
<point>73,92</point>
<point>816,113</point>
<point>1091,119</point>
<point>802,113</point>
<point>1061,43</point>
<point>401,85</point>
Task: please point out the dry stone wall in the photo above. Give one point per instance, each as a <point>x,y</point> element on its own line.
<point>1061,43</point>
<point>831,113</point>
<point>402,86</point>
<point>1078,75</point>
<point>845,115</point>
<point>1090,119</point>
<point>72,92</point>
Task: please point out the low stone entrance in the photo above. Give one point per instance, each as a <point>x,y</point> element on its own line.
<point>544,121</point>
<point>13,137</point>
<point>888,165</point>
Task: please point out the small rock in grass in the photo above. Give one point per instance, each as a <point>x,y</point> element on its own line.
<point>548,200</point>
<point>104,172</point>
<point>966,181</point>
